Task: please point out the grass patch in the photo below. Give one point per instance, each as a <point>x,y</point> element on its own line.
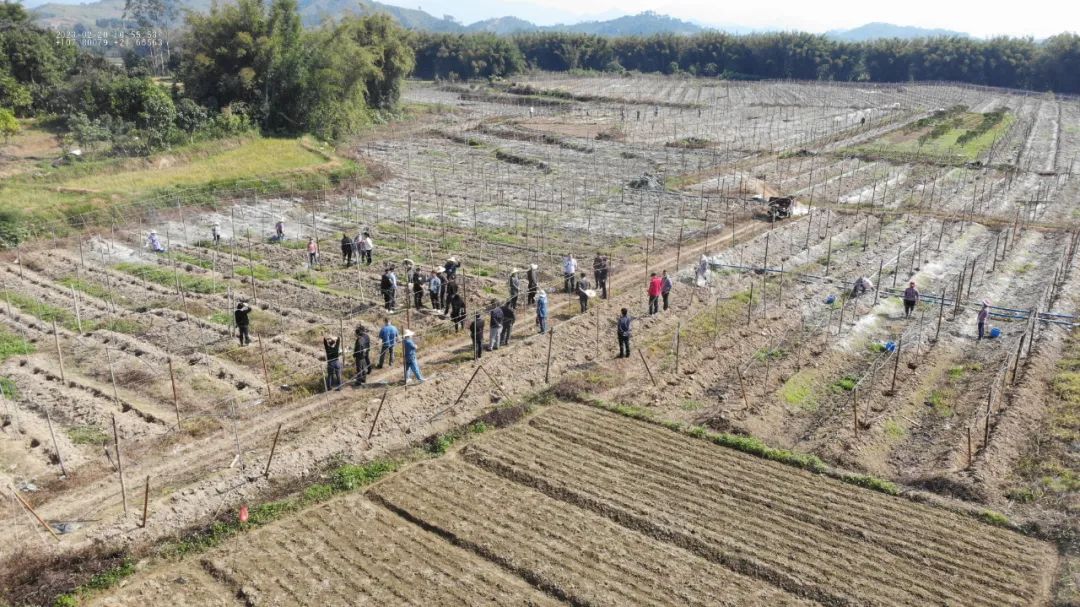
<point>87,435</point>
<point>190,260</point>
<point>13,345</point>
<point>798,391</point>
<point>258,271</point>
<point>873,483</point>
<point>101,581</point>
<point>691,405</point>
<point>894,429</point>
<point>169,278</point>
<point>994,518</point>
<point>90,288</point>
<point>954,135</point>
<point>311,278</point>
<point>940,401</point>
<point>11,391</point>
<point>45,312</point>
<point>846,383</point>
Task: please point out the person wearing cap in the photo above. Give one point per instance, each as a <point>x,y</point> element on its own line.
<point>514,285</point>
<point>435,289</point>
<point>366,246</point>
<point>457,309</point>
<point>911,297</point>
<point>215,232</point>
<point>154,242</point>
<point>412,362</point>
<point>243,322</point>
<point>622,331</point>
<point>362,355</point>
<point>443,279</point>
<point>508,322</point>
<point>862,285</point>
<point>388,335</point>
<point>312,252</point>
<point>665,287</point>
<point>451,266</point>
<point>346,249</point>
<point>495,319</point>
<point>583,287</point>
<point>542,311</point>
<point>476,330</point>
<point>600,273</point>
<point>656,287</point>
<point>418,284</point>
<point>279,229</point>
<point>984,313</point>
<point>569,269</point>
<point>333,361</point>
<point>531,277</point>
<point>450,287</point>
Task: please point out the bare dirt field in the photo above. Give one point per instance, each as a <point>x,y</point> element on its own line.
<point>121,369</point>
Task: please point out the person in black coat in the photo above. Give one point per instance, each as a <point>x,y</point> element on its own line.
<point>476,329</point>
<point>457,310</point>
<point>508,318</point>
<point>243,322</point>
<point>333,361</point>
<point>532,278</point>
<point>362,355</point>
<point>452,289</point>
<point>418,283</point>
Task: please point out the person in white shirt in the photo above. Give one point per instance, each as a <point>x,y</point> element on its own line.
<point>569,267</point>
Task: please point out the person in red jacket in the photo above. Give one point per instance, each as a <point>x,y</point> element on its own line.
<point>656,286</point>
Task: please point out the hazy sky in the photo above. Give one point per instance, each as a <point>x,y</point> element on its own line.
<point>1039,18</point>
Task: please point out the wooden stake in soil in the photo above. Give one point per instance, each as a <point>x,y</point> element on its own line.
<point>467,384</point>
<point>39,519</point>
<point>145,501</point>
<point>678,344</point>
<point>941,312</point>
<point>896,365</point>
<point>119,464</point>
<point>266,373</point>
<point>175,395</point>
<point>750,303</point>
<point>855,410</point>
<point>647,369</point>
<point>59,354</point>
<point>56,447</point>
<point>78,313</point>
<point>547,366</point>
<point>969,447</point>
<point>1016,363</point>
<point>377,412</point>
<point>742,387</point>
<point>273,447</point>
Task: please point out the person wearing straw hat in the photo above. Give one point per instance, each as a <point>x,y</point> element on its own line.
<point>154,242</point>
<point>243,322</point>
<point>514,285</point>
<point>443,279</point>
<point>532,278</point>
<point>451,266</point>
<point>984,313</point>
<point>476,330</point>
<point>584,292</point>
<point>911,297</point>
<point>333,361</point>
<point>418,288</point>
<point>435,289</point>
<point>411,360</point>
<point>542,311</point>
<point>362,355</point>
<point>279,230</point>
<point>495,318</point>
<point>215,232</point>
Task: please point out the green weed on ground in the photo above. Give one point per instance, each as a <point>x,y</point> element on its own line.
<point>11,391</point>
<point>87,435</point>
<point>798,391</point>
<point>13,345</point>
<point>90,288</point>
<point>168,278</point>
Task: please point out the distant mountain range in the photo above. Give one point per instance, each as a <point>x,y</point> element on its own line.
<point>875,31</point>
<point>103,13</point>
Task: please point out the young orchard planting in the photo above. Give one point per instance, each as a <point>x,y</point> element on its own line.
<point>125,381</point>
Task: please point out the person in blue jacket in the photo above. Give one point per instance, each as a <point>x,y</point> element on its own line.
<point>542,311</point>
<point>388,335</point>
<point>411,361</point>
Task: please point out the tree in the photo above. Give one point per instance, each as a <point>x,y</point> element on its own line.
<point>9,126</point>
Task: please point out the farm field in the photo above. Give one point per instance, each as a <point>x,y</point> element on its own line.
<point>597,509</point>
<point>119,365</point>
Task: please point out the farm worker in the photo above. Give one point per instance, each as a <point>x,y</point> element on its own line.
<point>665,287</point>
<point>508,322</point>
<point>443,279</point>
<point>279,229</point>
<point>361,355</point>
<point>312,252</point>
<point>435,288</point>
<point>418,288</point>
<point>215,232</point>
<point>386,286</point>
<point>450,286</point>
<point>333,362</point>
<point>346,249</point>
<point>242,322</point>
<point>656,287</point>
<point>531,278</point>
<point>366,246</point>
<point>984,313</point>
<point>476,329</point>
<point>457,309</point>
<point>532,111</point>
<point>622,331</point>
<point>584,293</point>
<point>451,266</point>
<point>388,335</point>
<point>862,285</point>
<point>702,273</point>
<point>542,311</point>
<point>495,319</point>
<point>569,269</point>
<point>154,242</point>
<point>911,297</point>
<point>514,285</point>
<point>600,273</point>
<point>411,362</point>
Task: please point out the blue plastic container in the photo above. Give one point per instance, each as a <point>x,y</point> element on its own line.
<point>995,332</point>
<point>830,299</point>
<point>890,346</point>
